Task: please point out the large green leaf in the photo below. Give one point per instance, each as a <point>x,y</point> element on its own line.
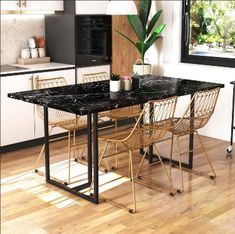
<point>147,45</point>
<point>156,31</point>
<point>153,21</point>
<point>144,10</point>
<point>132,42</point>
<point>137,26</point>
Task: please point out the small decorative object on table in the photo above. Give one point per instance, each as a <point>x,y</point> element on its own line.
<point>115,83</point>
<point>126,83</point>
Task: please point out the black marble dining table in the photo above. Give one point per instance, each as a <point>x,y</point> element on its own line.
<point>91,98</point>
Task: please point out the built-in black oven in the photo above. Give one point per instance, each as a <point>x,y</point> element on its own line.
<point>93,40</point>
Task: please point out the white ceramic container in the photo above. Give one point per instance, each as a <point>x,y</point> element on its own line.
<point>115,85</point>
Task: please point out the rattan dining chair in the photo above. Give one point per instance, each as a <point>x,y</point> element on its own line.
<point>56,118</point>
<point>114,115</point>
<point>195,117</point>
<point>151,126</point>
<point>93,77</point>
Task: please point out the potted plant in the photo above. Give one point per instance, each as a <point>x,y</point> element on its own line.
<point>127,84</point>
<point>146,32</point>
<point>115,83</point>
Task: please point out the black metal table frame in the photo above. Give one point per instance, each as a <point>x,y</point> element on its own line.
<point>93,158</point>
<point>229,148</point>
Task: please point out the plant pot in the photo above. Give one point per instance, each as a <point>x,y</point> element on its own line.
<point>142,69</point>
<point>127,85</point>
<point>115,85</point>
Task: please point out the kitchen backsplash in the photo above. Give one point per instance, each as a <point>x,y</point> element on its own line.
<point>15,32</point>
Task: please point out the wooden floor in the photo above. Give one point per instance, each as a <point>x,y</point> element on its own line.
<point>29,205</point>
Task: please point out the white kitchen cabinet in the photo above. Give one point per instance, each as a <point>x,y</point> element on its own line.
<point>91,7</point>
<point>69,75</point>
<point>19,120</point>
<point>32,5</point>
<point>17,117</point>
<point>86,70</point>
<point>8,5</point>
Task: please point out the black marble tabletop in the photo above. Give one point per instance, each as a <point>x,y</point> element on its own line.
<point>95,97</point>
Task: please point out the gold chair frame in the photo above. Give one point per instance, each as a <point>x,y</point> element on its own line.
<point>195,117</point>
<point>56,118</point>
<point>115,115</point>
<point>151,126</point>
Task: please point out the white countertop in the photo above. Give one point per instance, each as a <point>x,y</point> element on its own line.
<point>38,67</point>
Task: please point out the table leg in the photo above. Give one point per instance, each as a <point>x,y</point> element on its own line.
<point>89,148</point>
<point>191,136</point>
<point>78,190</point>
<point>47,150</point>
<point>232,123</point>
<point>96,157</point>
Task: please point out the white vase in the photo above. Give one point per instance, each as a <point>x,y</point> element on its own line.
<point>115,85</point>
<point>142,69</point>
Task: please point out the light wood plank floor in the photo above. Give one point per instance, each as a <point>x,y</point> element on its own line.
<point>29,205</point>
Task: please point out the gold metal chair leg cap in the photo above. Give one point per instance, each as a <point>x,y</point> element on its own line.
<point>131,211</point>
<point>180,191</point>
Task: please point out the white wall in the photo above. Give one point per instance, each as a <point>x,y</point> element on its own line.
<point>219,125</point>
<point>15,32</point>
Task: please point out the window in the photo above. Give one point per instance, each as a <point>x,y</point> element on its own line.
<point>208,32</point>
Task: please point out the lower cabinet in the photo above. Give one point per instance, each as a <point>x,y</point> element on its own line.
<point>17,117</point>
<point>19,120</point>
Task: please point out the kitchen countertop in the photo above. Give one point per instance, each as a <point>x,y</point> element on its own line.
<point>95,97</point>
<point>42,67</point>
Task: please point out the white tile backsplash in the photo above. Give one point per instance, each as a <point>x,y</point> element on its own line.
<point>15,32</point>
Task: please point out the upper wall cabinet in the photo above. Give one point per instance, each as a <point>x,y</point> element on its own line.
<point>91,7</point>
<point>32,5</point>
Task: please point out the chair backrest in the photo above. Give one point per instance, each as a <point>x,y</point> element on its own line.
<point>92,77</point>
<point>199,111</point>
<point>153,123</point>
<point>55,117</point>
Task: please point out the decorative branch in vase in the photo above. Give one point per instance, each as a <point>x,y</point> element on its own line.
<point>144,28</point>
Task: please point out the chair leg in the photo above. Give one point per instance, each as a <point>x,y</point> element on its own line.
<point>74,143</point>
<point>180,166</point>
<point>69,156</point>
<point>207,157</point>
<point>141,164</point>
<point>132,183</point>
<point>172,192</point>
<point>116,147</point>
<point>40,154</point>
<point>171,152</point>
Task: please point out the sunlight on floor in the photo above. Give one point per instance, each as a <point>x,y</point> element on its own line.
<point>35,184</point>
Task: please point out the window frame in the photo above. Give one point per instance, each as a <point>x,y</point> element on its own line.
<point>197,59</point>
